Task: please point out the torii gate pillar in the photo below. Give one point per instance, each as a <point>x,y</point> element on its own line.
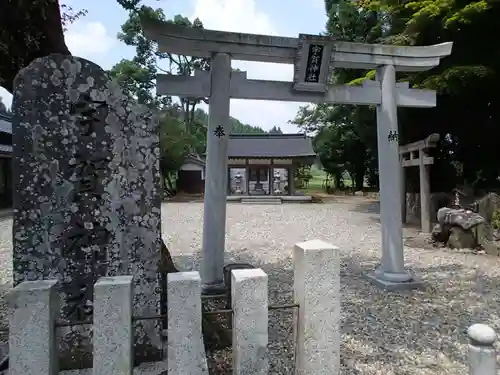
<point>214,213</point>
<point>392,261</point>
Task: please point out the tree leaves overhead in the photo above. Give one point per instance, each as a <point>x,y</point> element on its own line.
<point>129,4</point>
<point>183,125</point>
<point>466,83</point>
<point>140,73</point>
<point>180,132</point>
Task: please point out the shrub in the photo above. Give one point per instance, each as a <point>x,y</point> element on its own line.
<point>495,221</point>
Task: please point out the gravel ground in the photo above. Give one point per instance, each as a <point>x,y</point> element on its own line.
<point>419,332</point>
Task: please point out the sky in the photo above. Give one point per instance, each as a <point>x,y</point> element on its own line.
<point>94,37</point>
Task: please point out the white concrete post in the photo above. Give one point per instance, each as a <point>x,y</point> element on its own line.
<point>214,214</point>
<point>317,291</point>
<point>113,334</point>
<point>392,262</point>
<point>33,310</point>
<point>250,316</point>
<point>425,194</point>
<point>482,354</point>
<point>186,352</point>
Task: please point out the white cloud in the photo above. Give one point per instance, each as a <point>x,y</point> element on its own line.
<point>243,16</point>
<point>87,39</point>
<point>320,4</point>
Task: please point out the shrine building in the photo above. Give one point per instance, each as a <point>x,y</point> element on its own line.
<point>265,164</point>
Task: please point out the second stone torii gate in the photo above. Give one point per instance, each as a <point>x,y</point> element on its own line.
<point>415,155</point>
<point>314,58</point>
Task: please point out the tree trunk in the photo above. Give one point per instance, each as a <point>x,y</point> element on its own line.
<point>359,177</point>
<point>30,29</point>
<point>338,180</point>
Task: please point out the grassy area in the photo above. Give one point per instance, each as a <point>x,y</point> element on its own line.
<point>316,183</point>
<point>318,178</point>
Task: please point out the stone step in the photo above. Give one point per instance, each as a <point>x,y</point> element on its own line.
<point>261,201</point>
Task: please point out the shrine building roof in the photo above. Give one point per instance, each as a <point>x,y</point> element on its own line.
<point>5,123</point>
<point>270,146</point>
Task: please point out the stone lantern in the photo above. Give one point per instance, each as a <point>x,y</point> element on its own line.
<point>277,183</point>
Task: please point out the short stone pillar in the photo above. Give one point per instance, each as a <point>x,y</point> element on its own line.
<point>317,291</point>
<point>250,316</point>
<point>186,352</point>
<point>482,354</point>
<point>33,310</point>
<point>113,334</point>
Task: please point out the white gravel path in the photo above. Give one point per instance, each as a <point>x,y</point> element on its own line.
<point>419,332</point>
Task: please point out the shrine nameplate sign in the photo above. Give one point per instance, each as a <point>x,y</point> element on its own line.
<point>312,63</point>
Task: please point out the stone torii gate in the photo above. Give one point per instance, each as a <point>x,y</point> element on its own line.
<point>314,58</point>
<point>416,155</point>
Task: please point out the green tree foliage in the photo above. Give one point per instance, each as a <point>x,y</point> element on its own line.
<point>183,124</point>
<point>138,82</point>
<point>466,82</point>
<point>139,74</point>
<point>302,176</point>
<point>235,125</point>
<point>350,129</point>
<point>179,132</point>
<point>466,115</point>
<point>176,144</point>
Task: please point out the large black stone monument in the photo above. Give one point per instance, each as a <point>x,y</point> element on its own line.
<point>86,194</point>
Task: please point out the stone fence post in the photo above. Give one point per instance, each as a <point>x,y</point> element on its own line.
<point>250,319</point>
<point>186,351</point>
<point>113,334</point>
<point>482,354</point>
<point>317,291</point>
<point>33,310</point>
